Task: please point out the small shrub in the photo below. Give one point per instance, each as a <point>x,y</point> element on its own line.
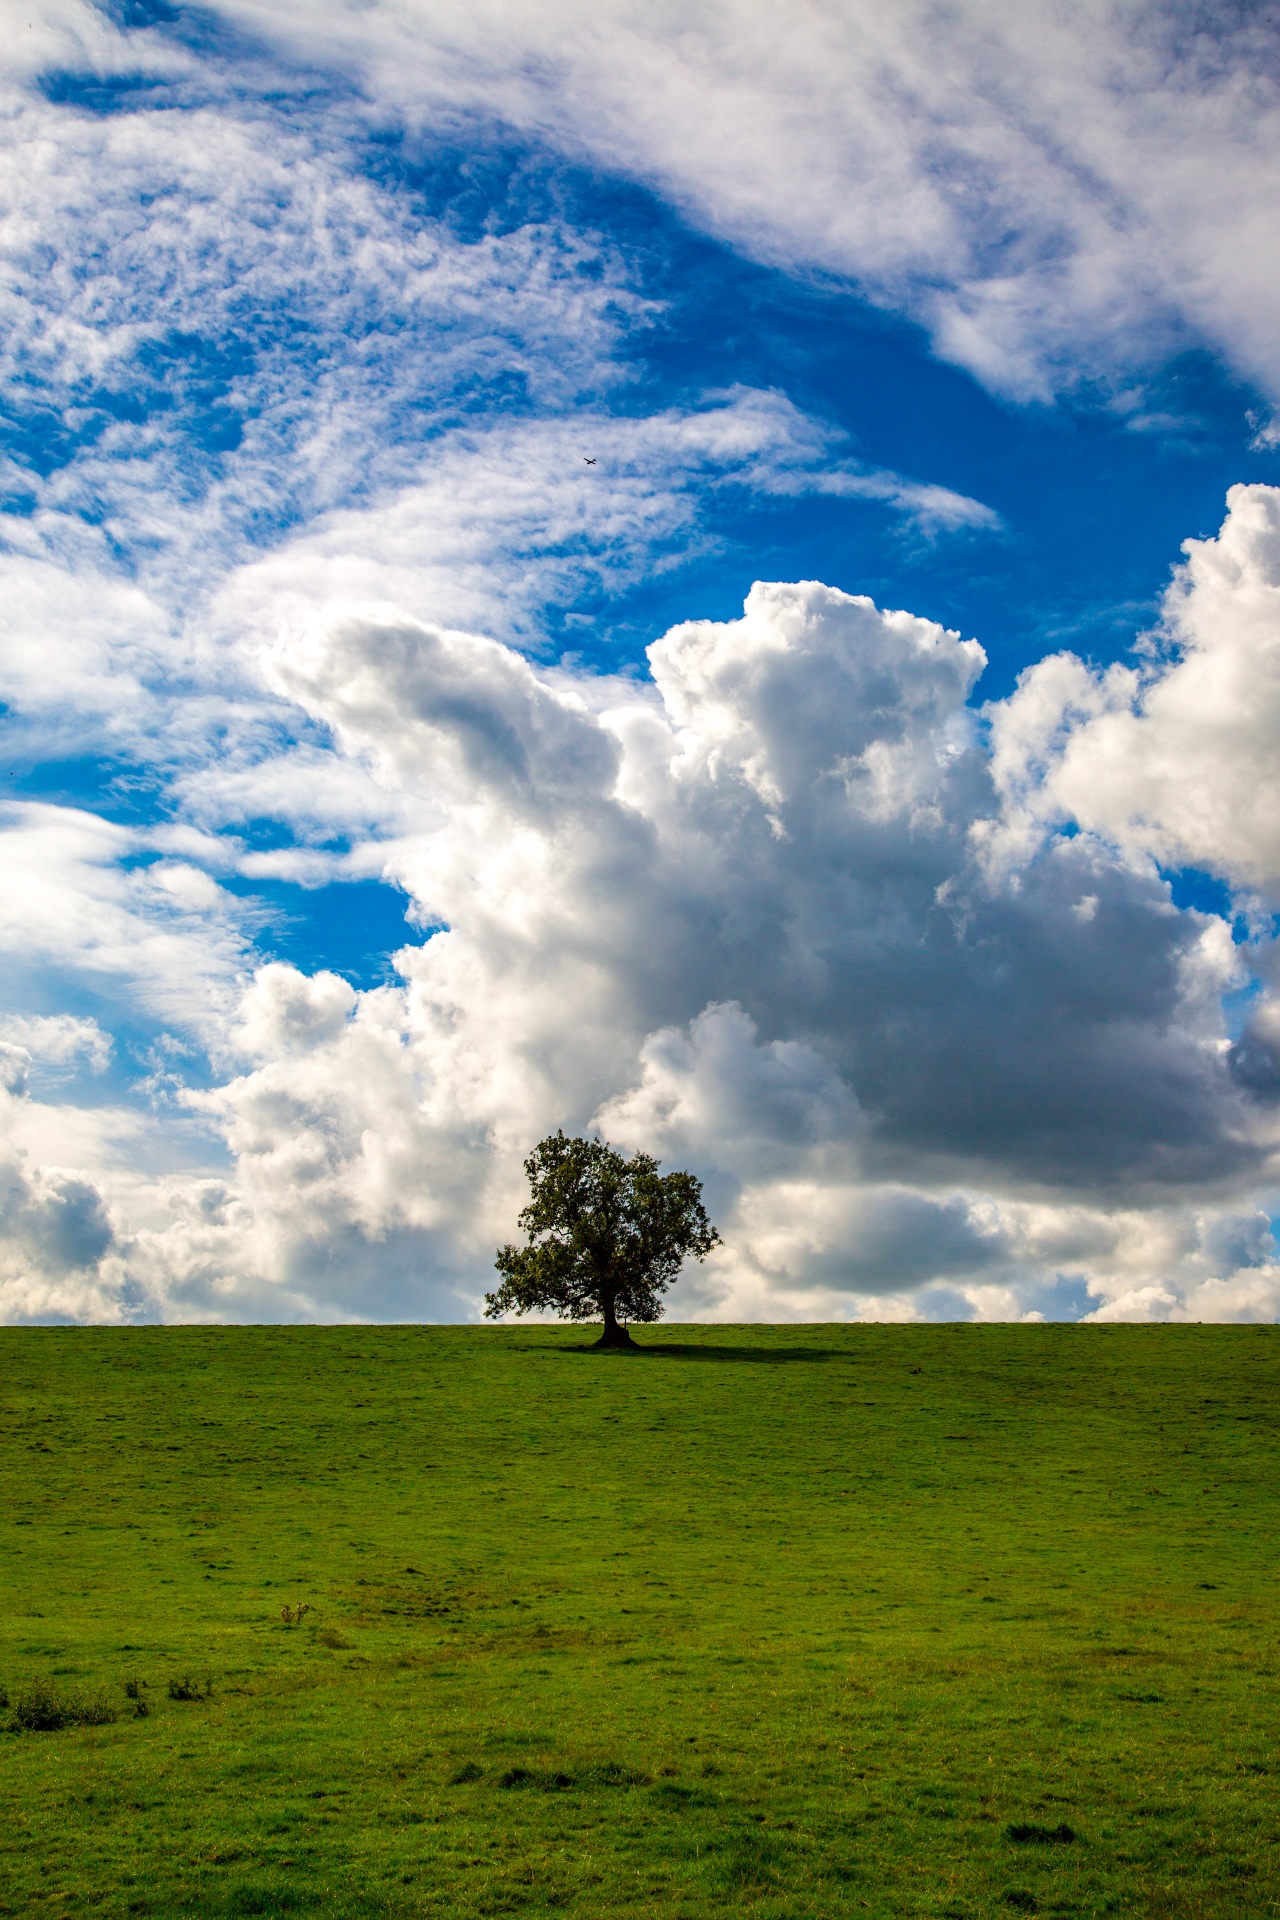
<point>292,1616</point>
<point>44,1708</point>
<point>185,1687</point>
<point>1027,1833</point>
<point>133,1691</point>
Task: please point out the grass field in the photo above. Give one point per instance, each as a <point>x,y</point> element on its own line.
<point>783,1621</point>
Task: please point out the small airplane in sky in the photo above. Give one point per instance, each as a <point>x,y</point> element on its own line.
<point>590,462</point>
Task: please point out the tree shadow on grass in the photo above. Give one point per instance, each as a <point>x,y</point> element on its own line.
<point>725,1355</point>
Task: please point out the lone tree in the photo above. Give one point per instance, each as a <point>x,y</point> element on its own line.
<point>607,1236</point>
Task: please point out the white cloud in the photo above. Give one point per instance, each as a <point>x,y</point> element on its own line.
<point>1052,192</point>
<point>733,913</point>
<point>266,369</point>
<point>1172,761</point>
<point>15,1065</point>
<point>502,521</point>
<point>56,1234</point>
<point>719,1096</point>
<point>59,1038</point>
<point>1174,758</point>
<point>72,902</point>
<point>235,329</point>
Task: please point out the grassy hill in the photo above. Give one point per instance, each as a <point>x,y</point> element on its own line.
<point>793,1622</point>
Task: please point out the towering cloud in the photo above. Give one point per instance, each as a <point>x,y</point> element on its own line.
<point>937,1038</point>
<point>1174,758</point>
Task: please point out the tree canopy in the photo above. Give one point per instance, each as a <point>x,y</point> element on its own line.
<point>607,1236</point>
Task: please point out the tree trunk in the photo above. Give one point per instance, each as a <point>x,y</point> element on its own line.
<point>613,1335</point>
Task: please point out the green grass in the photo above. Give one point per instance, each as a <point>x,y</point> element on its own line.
<point>780,1621</point>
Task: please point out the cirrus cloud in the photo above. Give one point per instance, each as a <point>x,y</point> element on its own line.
<point>1053,193</point>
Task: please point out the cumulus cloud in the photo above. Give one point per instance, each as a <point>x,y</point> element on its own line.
<point>56,1234</point>
<point>1175,757</point>
<point>745,913</point>
<point>717,1094</point>
<point>1173,761</point>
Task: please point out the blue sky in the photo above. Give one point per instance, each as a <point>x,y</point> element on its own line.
<point>322,636</point>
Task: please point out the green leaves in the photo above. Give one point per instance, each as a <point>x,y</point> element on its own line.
<point>607,1235</point>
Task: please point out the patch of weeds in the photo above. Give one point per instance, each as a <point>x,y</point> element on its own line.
<point>1143,1699</point>
<point>330,1637</point>
<point>608,1773</point>
<point>1027,1833</point>
<point>1021,1899</point>
<point>292,1616</point>
<point>133,1690</point>
<point>43,1708</point>
<point>185,1686</point>
<point>466,1773</point>
<point>536,1777</point>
